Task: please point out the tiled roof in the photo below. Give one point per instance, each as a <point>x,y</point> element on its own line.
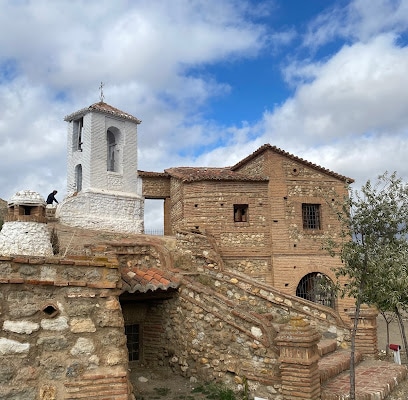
<point>151,174</point>
<point>190,174</point>
<point>102,108</point>
<point>277,150</point>
<point>141,280</point>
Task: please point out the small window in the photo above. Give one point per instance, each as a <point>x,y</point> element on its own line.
<point>27,210</point>
<point>240,212</point>
<point>133,341</point>
<point>311,216</point>
<point>77,137</point>
<point>78,177</point>
<point>111,151</point>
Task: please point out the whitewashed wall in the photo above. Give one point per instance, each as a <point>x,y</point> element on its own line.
<point>25,238</point>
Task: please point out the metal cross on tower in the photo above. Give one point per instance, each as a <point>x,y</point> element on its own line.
<point>102,97</point>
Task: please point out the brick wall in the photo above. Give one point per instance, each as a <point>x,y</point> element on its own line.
<point>272,244</point>
<point>156,187</point>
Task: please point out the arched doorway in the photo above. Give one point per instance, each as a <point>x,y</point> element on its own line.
<point>318,288</point>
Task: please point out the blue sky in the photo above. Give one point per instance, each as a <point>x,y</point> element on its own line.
<point>212,81</point>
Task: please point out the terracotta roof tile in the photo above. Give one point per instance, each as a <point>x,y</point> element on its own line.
<point>141,280</point>
<point>151,174</point>
<point>102,108</point>
<point>190,174</point>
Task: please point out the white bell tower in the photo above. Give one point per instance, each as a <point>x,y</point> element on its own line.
<point>103,187</point>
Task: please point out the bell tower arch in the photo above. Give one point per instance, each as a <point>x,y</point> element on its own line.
<point>103,187</point>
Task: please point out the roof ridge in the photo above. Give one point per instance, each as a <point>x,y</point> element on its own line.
<point>104,108</point>
<point>278,150</point>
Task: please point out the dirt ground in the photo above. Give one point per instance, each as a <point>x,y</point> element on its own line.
<point>162,384</point>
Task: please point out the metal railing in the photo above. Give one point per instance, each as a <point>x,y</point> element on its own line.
<point>155,232</point>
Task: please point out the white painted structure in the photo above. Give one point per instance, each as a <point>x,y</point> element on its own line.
<point>103,187</point>
<point>24,231</point>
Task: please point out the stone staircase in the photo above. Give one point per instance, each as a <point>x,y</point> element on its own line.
<point>257,303</point>
<point>375,379</point>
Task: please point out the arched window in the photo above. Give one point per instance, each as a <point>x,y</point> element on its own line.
<point>318,288</point>
<point>111,151</point>
<point>78,177</point>
<point>77,134</point>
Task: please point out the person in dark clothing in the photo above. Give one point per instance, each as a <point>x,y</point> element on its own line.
<point>51,197</point>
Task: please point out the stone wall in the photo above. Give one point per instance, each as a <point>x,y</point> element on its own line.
<point>156,186</point>
<point>62,321</point>
<point>223,326</point>
<point>26,238</point>
<point>61,330</point>
<point>209,342</point>
<point>257,268</point>
<point>118,212</point>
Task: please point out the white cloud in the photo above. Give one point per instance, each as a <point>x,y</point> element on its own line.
<point>359,20</point>
<point>56,53</point>
<point>359,90</point>
<point>346,113</point>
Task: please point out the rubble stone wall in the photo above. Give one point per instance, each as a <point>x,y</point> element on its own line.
<point>61,330</point>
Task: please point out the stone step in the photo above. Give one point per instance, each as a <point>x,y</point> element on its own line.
<point>375,380</point>
<point>335,363</point>
<point>326,346</point>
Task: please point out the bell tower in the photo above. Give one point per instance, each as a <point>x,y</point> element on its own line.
<point>103,188</point>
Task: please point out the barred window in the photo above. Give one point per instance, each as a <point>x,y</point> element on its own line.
<point>318,288</point>
<point>311,216</point>
<point>133,341</point>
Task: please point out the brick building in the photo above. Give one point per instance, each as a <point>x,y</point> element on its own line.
<point>232,292</point>
<point>268,215</point>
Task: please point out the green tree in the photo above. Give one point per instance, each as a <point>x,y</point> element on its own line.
<point>373,247</point>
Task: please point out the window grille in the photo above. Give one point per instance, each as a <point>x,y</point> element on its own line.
<point>133,341</point>
<point>318,288</point>
<point>311,216</point>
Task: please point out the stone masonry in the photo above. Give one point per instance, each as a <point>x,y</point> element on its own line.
<point>61,330</point>
<point>270,242</point>
<point>62,321</point>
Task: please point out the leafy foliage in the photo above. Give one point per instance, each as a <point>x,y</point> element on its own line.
<point>215,391</point>
<point>373,247</point>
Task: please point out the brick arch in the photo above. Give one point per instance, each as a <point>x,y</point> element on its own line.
<point>310,288</point>
<point>304,270</point>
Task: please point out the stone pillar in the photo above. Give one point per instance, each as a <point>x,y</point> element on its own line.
<point>366,337</point>
<point>167,217</point>
<point>299,358</point>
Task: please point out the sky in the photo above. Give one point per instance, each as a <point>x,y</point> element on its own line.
<point>211,80</point>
